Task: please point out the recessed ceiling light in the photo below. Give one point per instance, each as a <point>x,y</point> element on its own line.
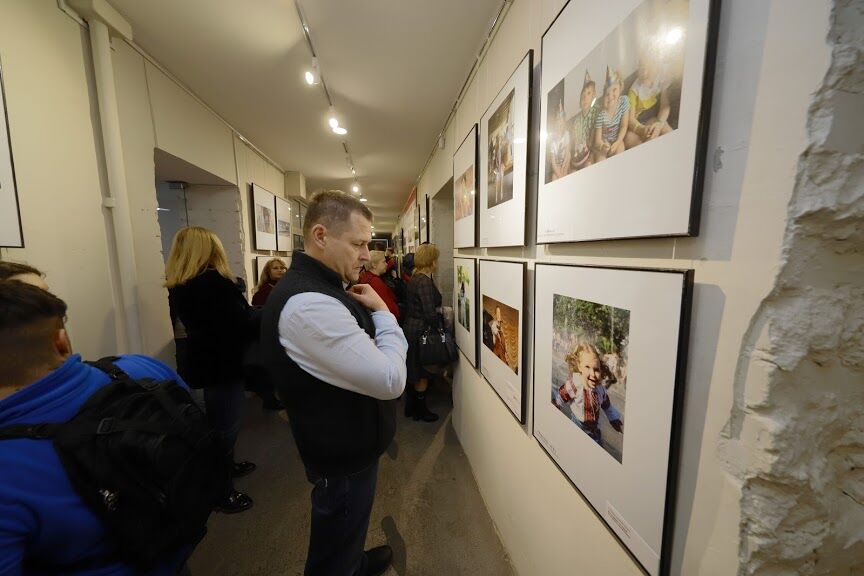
<point>355,187</point>
<point>340,130</point>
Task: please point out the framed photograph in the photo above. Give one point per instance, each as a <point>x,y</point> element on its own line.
<point>299,243</point>
<point>503,170</point>
<point>465,306</point>
<point>11,235</point>
<point>283,225</point>
<point>465,192</point>
<point>610,351</point>
<point>501,324</point>
<point>625,102</point>
<point>264,218</point>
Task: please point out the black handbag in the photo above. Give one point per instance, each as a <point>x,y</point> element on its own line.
<point>435,346</point>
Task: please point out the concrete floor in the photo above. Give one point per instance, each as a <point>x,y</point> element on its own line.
<point>427,506</point>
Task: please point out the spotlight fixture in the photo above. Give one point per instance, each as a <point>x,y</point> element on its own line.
<point>363,200</point>
<point>340,130</point>
<point>355,187</point>
<point>313,75</point>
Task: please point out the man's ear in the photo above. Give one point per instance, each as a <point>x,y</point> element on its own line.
<point>319,235</point>
<point>62,344</point>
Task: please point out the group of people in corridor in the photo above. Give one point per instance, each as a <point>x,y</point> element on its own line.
<point>332,339</point>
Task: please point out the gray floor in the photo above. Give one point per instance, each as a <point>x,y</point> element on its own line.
<point>427,506</point>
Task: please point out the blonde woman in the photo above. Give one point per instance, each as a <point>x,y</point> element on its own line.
<point>273,271</point>
<point>371,274</point>
<point>218,324</point>
<point>424,305</point>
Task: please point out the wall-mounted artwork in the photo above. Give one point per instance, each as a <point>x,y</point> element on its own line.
<point>299,242</point>
<point>465,305</point>
<point>500,322</point>
<point>465,192</point>
<point>264,218</point>
<point>11,235</point>
<point>503,169</point>
<point>625,100</point>
<point>610,349</point>
<point>283,225</point>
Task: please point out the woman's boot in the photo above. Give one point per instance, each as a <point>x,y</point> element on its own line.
<point>409,400</point>
<point>421,412</point>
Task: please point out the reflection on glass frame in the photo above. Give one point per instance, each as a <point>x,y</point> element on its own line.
<point>500,320</point>
<point>264,218</point>
<point>610,352</point>
<point>625,97</point>
<point>464,305</point>
<point>283,225</point>
<point>465,192</point>
<point>503,161</point>
<point>261,261</point>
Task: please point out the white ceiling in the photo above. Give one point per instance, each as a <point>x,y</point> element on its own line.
<point>393,68</point>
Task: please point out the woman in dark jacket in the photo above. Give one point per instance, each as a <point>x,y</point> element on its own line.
<point>257,378</point>
<point>273,271</point>
<point>423,309</point>
<point>219,325</point>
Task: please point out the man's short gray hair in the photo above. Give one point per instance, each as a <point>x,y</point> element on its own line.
<point>333,209</point>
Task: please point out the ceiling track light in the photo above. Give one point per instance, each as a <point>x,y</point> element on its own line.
<point>313,75</point>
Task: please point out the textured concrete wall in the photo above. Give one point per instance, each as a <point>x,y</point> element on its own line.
<point>802,363</point>
<point>801,371</point>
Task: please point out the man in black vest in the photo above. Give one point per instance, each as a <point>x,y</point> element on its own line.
<point>337,358</point>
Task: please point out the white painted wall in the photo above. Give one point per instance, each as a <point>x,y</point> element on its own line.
<point>57,149</point>
<point>56,143</point>
<point>757,135</point>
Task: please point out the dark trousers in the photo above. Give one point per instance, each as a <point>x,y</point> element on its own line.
<point>341,506</point>
<point>223,404</point>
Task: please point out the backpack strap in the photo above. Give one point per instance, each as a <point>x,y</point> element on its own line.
<point>157,388</point>
<point>108,366</point>
<point>31,431</point>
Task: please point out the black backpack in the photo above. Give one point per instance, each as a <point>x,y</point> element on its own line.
<point>144,459</point>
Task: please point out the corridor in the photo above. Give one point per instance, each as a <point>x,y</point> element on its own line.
<point>427,505</point>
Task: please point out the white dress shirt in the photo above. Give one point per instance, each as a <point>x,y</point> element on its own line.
<point>319,333</point>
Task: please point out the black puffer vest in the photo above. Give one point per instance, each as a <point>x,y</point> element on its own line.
<point>337,431</point>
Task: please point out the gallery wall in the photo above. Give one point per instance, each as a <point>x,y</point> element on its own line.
<point>57,148</point>
<point>758,132</point>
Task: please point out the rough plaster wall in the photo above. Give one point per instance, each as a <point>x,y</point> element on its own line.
<point>218,209</point>
<point>802,363</point>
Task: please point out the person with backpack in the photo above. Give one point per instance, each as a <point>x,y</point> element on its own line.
<point>92,477</point>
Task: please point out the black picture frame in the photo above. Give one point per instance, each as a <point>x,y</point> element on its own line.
<point>470,139</point>
<point>12,231</point>
<point>260,197</point>
<point>522,78</point>
<point>686,276</point>
<point>488,369</point>
<point>683,221</point>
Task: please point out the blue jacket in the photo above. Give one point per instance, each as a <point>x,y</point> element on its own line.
<point>41,515</point>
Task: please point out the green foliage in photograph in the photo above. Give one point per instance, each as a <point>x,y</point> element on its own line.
<point>606,327</point>
<point>462,276</point>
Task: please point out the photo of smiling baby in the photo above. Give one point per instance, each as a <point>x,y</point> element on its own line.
<point>589,368</point>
